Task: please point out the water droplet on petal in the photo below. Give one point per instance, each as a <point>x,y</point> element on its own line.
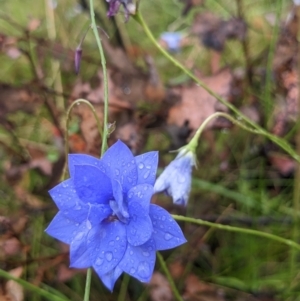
<point>108,256</point>
<point>130,195</point>
<point>117,172</point>
<point>111,243</point>
<point>141,166</point>
<point>163,218</point>
<point>146,254</point>
<point>88,224</point>
<point>131,253</point>
<point>129,180</point>
<point>144,269</point>
<point>79,236</point>
<point>99,261</point>
<point>146,175</point>
<point>132,271</point>
<point>168,236</point>
<point>117,238</point>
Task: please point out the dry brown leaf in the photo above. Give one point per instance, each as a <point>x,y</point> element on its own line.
<point>197,104</point>
<point>9,246</point>
<point>200,291</point>
<point>33,24</point>
<point>284,164</point>
<point>159,288</point>
<point>13,291</point>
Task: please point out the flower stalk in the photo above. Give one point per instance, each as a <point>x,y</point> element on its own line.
<point>105,78</point>
<point>279,141</point>
<point>238,230</point>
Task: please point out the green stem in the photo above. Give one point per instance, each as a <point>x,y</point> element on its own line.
<point>192,145</point>
<point>27,285</point>
<point>105,80</point>
<point>282,143</point>
<point>88,284</point>
<point>77,102</point>
<point>237,229</point>
<point>122,293</point>
<point>169,277</point>
<point>268,100</point>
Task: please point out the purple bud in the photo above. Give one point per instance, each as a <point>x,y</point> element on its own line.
<point>78,54</point>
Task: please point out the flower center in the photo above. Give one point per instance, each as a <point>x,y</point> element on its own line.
<point>120,211</point>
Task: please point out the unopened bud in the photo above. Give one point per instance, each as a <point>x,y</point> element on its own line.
<point>78,55</point>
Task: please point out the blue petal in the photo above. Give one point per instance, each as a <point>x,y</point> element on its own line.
<point>109,279</point>
<point>108,242</point>
<point>139,261</point>
<point>80,254</point>
<point>92,185</point>
<point>147,166</point>
<point>64,195</point>
<point>62,228</point>
<point>68,202</point>
<point>120,165</point>
<point>166,232</point>
<point>97,213</point>
<point>141,194</point>
<point>139,229</point>
<point>81,159</point>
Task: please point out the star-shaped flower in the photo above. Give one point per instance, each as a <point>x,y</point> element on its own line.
<point>106,217</point>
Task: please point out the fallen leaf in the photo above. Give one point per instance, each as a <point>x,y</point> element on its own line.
<point>159,288</point>
<point>199,290</point>
<point>12,290</point>
<point>197,104</point>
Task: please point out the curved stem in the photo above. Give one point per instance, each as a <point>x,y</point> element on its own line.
<point>192,145</point>
<point>169,277</point>
<point>282,143</point>
<point>105,80</point>
<point>77,102</point>
<point>237,229</point>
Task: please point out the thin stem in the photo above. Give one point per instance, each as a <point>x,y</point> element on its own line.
<point>122,293</point>
<point>169,277</point>
<point>105,80</point>
<point>55,65</point>
<point>268,102</point>
<point>239,230</point>
<point>88,285</point>
<point>37,290</point>
<point>192,145</point>
<point>282,143</point>
<point>77,102</point>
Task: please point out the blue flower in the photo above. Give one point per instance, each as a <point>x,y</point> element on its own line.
<point>172,39</point>
<point>106,217</point>
<point>114,5</point>
<point>176,179</point>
